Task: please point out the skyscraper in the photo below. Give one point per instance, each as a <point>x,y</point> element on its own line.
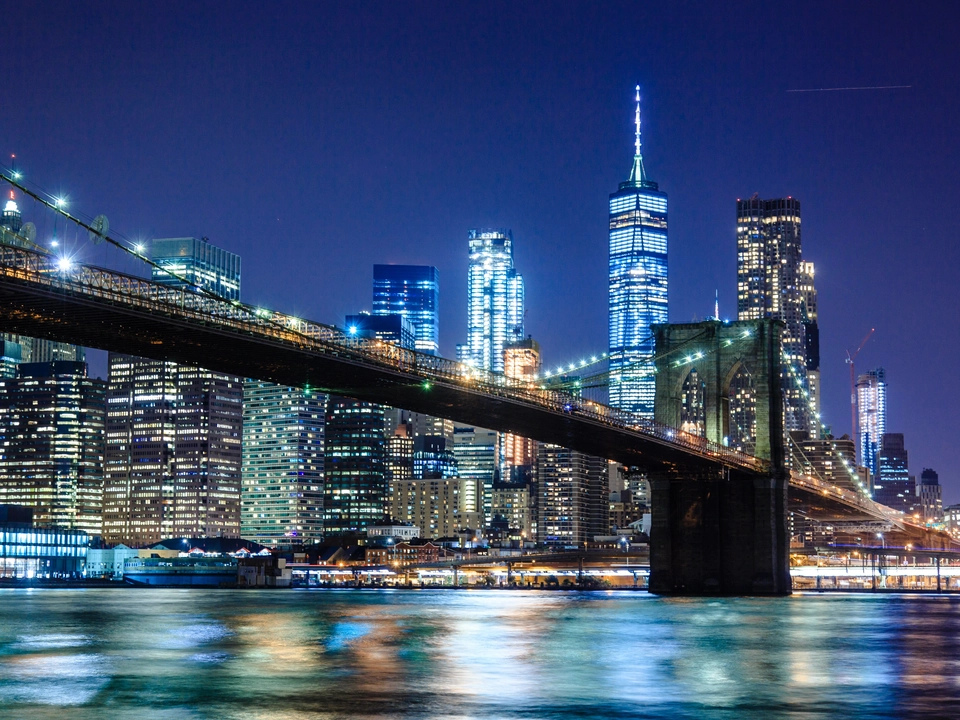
<point>871,416</point>
<point>521,360</point>
<point>573,492</point>
<point>51,444</point>
<point>772,282</point>
<point>637,283</point>
<point>477,453</point>
<point>808,296</point>
<point>174,432</point>
<point>282,494</point>
<point>412,291</point>
<point>355,492</point>
<point>931,500</point>
<point>494,299</point>
<point>173,457</point>
<point>894,486</point>
<point>196,263</point>
<point>394,329</point>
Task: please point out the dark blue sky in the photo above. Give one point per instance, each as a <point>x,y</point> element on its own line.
<point>318,139</point>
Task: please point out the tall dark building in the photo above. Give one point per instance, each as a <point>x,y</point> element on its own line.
<point>356,492</point>
<point>412,291</point>
<point>51,444</point>
<point>572,496</point>
<point>894,486</point>
<point>395,329</point>
<point>774,282</point>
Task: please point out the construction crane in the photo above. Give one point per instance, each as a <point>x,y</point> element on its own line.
<point>855,435</point>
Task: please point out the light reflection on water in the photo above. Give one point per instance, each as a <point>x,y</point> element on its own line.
<point>148,654</point>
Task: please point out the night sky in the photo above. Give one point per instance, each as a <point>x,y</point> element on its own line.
<point>318,139</point>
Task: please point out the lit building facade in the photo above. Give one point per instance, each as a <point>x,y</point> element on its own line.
<point>813,455</point>
<point>894,485</point>
<point>477,453</point>
<point>282,477</point>
<point>808,296</point>
<point>174,432</point>
<point>194,262</point>
<point>573,496</point>
<point>930,497</point>
<point>637,283</point>
<point>355,492</point>
<point>412,291</point>
<point>494,299</point>
<point>521,361</point>
<point>439,506</point>
<point>173,451</point>
<point>773,282</point>
<point>394,329</point>
<point>51,444</point>
<point>28,551</point>
<point>871,416</point>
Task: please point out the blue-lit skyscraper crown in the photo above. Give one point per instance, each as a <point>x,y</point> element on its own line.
<point>638,283</point>
<point>412,291</point>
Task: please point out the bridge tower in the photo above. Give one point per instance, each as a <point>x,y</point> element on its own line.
<point>718,530</point>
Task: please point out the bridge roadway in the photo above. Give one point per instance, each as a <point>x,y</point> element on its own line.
<point>104,309</point>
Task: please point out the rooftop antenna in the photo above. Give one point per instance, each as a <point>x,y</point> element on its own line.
<point>716,305</point>
<point>637,175</point>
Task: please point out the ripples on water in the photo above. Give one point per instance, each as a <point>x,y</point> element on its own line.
<point>143,654</point>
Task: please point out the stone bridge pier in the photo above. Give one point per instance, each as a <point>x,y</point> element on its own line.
<point>717,530</point>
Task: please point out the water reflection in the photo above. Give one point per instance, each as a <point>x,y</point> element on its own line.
<point>439,654</point>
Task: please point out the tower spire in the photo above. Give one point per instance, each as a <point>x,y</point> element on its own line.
<point>638,175</point>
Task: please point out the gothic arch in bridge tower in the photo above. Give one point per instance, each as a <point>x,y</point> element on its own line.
<point>738,368</point>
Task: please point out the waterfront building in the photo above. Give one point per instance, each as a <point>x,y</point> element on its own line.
<point>930,497</point>
<point>30,551</point>
<point>573,496</point>
<point>282,477</point>
<point>494,299</point>
<point>173,451</point>
<point>51,444</point>
<point>871,395</point>
<point>894,486</point>
<point>511,506</point>
<point>439,506</point>
<point>389,528</point>
<point>412,291</point>
<point>174,432</point>
<point>477,452</point>
<point>394,329</point>
<point>195,263</point>
<point>355,492</point>
<point>637,283</point>
<point>773,282</point>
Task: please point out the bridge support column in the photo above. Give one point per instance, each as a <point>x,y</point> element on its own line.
<point>714,535</point>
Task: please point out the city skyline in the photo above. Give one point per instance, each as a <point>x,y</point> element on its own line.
<point>560,243</point>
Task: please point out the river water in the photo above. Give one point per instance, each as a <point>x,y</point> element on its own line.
<point>157,653</point>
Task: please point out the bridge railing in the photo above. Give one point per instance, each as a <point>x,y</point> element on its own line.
<point>197,306</point>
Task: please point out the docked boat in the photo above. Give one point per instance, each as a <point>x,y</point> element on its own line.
<point>181,571</point>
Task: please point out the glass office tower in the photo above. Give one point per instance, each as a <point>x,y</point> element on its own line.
<point>638,283</point>
<point>871,416</point>
<point>51,444</point>
<point>494,300</point>
<point>282,495</point>
<point>198,263</point>
<point>412,291</point>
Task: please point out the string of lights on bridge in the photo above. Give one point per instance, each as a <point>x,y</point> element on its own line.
<point>98,230</point>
